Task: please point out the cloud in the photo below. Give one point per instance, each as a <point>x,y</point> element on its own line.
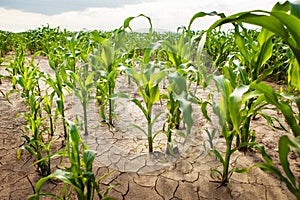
<point>52,7</point>
<point>165,14</point>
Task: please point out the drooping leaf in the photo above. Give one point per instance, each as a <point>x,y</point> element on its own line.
<point>88,158</point>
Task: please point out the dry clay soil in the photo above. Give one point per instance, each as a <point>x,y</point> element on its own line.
<point>135,177</point>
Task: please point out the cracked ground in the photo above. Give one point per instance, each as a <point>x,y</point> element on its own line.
<point>139,177</point>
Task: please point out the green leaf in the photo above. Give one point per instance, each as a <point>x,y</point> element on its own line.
<point>288,113</point>
<point>294,74</point>
<point>284,7</point>
<point>295,8</point>
<point>235,102</point>
<point>218,155</point>
<point>139,128</point>
<point>139,104</point>
<point>268,92</point>
<point>266,48</point>
<point>204,110</point>
<point>239,40</point>
<point>268,22</point>
<point>291,22</point>
<point>277,172</point>
<point>286,110</point>
<point>89,80</point>
<point>185,107</point>
<point>284,150</point>
<point>148,52</point>
<point>88,158</point>
<point>154,94</point>
<point>129,19</point>
<point>225,89</point>
<point>203,14</point>
<point>177,83</point>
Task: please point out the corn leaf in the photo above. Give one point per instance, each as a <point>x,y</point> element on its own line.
<point>148,52</point>
<point>185,107</point>
<point>284,150</point>
<point>154,94</point>
<point>271,97</point>
<point>235,102</point>
<point>88,158</point>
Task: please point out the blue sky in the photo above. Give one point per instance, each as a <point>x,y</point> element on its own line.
<point>20,15</point>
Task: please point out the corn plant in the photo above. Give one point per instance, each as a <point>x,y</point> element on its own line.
<point>280,61</point>
<point>219,45</point>
<point>79,176</point>
<point>7,42</point>
<point>289,178</point>
<point>281,101</point>
<point>232,115</point>
<point>47,106</point>
<point>107,59</point>
<point>148,88</point>
<point>16,66</point>
<point>283,21</point>
<point>76,50</point>
<point>179,53</point>
<point>35,144</point>
<point>26,78</point>
<point>177,103</point>
<point>57,87</point>
<point>82,84</point>
<point>182,55</point>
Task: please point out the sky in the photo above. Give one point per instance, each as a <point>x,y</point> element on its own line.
<point>21,15</point>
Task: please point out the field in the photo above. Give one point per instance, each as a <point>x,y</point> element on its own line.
<point>123,115</point>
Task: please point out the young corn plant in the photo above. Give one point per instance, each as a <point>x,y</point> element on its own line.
<point>72,53</point>
<point>47,106</point>
<point>27,80</point>
<point>280,61</point>
<point>79,176</point>
<point>82,84</point>
<point>219,45</point>
<point>181,56</point>
<point>232,115</point>
<point>35,144</point>
<point>148,88</point>
<point>177,104</point>
<point>292,118</point>
<point>248,65</point>
<point>283,21</point>
<point>16,66</point>
<point>57,87</point>
<point>285,145</point>
<point>105,61</point>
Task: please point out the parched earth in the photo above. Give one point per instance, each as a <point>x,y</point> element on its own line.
<point>133,173</point>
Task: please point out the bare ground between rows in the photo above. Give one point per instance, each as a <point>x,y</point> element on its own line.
<point>187,177</point>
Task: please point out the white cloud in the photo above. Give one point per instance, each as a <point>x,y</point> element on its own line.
<point>165,14</point>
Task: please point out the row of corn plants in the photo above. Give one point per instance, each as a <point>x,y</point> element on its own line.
<point>89,63</point>
<point>44,97</point>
